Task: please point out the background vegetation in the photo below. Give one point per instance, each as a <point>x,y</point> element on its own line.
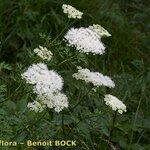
<point>25,24</point>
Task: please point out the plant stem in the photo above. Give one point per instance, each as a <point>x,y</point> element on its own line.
<point>62,124</point>
<point>112,127</point>
<point>66,60</point>
<point>134,122</point>
<point>113,123</point>
<point>82,98</point>
<point>27,127</point>
<point>109,143</point>
<point>66,26</point>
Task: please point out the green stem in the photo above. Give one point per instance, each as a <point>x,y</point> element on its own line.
<point>109,143</point>
<point>62,124</point>
<point>136,114</point>
<point>66,26</point>
<point>66,60</point>
<point>112,127</point>
<point>113,123</point>
<point>82,98</point>
<point>25,128</point>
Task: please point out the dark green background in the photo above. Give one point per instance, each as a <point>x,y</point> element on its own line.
<point>25,24</point>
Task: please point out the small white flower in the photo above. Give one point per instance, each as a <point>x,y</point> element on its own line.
<point>99,30</point>
<point>84,40</point>
<point>115,103</point>
<point>72,12</point>
<point>47,84</point>
<point>57,100</point>
<point>44,53</point>
<point>96,78</point>
<point>35,106</point>
<point>43,80</point>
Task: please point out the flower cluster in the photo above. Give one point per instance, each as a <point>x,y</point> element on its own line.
<point>44,81</point>
<point>35,106</point>
<point>96,78</point>
<point>72,12</point>
<point>56,100</point>
<point>48,84</point>
<point>88,40</point>
<point>115,103</point>
<point>99,30</point>
<point>85,40</point>
<point>44,53</point>
<point>45,84</point>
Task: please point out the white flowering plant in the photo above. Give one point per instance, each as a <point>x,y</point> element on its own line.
<point>68,77</point>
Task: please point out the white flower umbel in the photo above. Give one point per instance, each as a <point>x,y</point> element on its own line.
<point>99,30</point>
<point>72,12</point>
<point>44,53</point>
<point>57,100</point>
<point>44,81</point>
<point>47,84</point>
<point>35,106</point>
<point>96,78</point>
<point>84,40</point>
<point>115,103</point>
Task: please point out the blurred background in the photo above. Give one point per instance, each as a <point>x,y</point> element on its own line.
<point>25,24</point>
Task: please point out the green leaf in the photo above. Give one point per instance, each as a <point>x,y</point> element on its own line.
<point>10,106</point>
<point>2,112</point>
<point>83,129</point>
<point>136,147</point>
<point>147,147</point>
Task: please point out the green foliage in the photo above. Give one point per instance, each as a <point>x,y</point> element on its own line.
<point>26,24</point>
